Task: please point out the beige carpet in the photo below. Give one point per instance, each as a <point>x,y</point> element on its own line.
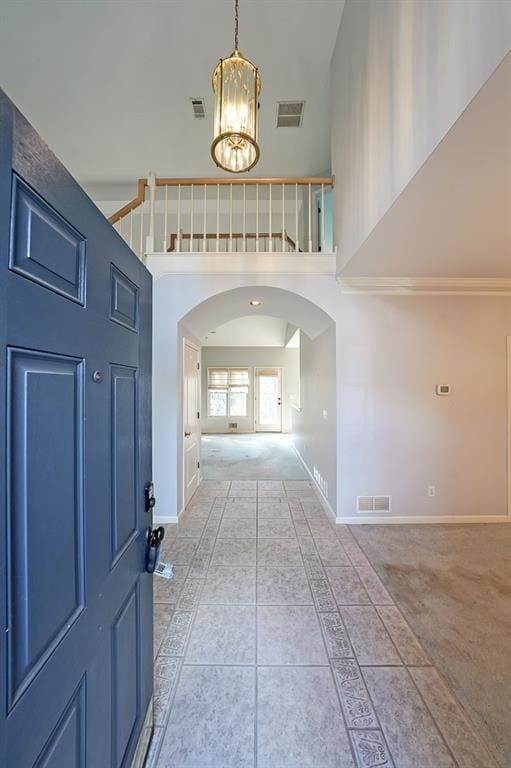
<point>261,456</point>
<point>453,584</point>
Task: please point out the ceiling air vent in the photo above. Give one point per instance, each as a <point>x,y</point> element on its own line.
<point>199,110</point>
<point>373,504</point>
<point>290,114</point>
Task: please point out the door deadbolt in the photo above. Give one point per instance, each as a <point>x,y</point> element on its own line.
<point>97,377</point>
<point>150,499</point>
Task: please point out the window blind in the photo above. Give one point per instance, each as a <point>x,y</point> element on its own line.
<point>221,378</point>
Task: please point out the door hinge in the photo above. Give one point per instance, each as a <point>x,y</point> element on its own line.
<point>198,465</point>
<point>198,366</point>
<point>198,414</point>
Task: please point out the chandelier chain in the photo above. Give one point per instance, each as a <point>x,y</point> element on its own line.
<point>236,23</point>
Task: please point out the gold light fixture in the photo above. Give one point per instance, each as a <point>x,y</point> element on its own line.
<point>236,85</point>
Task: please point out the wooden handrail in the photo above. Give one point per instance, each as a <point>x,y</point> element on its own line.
<point>138,200</point>
<point>327,181</point>
<point>228,236</point>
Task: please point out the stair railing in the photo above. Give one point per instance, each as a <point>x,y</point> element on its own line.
<point>223,215</point>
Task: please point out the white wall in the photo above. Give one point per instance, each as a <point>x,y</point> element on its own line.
<point>401,74</point>
<point>393,434</point>
<point>314,425</point>
<point>398,437</point>
<point>248,357</point>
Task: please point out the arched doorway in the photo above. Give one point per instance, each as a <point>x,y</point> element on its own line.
<point>186,314</point>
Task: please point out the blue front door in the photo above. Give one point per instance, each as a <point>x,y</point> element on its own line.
<point>75,426</point>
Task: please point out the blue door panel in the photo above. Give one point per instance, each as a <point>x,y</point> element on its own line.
<point>67,743</point>
<point>44,247</point>
<point>75,407</point>
<point>124,299</point>
<point>126,676</point>
<point>123,456</point>
<point>45,549</point>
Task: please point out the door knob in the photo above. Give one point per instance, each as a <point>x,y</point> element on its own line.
<point>187,434</point>
<point>154,538</point>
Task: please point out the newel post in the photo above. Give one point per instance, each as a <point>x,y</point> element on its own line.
<point>151,183</point>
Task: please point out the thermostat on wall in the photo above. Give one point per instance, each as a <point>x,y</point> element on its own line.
<point>443,389</point>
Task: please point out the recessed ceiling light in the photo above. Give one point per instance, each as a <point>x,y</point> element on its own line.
<point>255,303</point>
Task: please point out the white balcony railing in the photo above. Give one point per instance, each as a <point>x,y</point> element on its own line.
<point>241,215</point>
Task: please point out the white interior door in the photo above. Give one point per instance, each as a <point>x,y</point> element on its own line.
<point>191,419</point>
<point>268,399</point>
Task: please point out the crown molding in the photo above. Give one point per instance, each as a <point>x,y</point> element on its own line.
<point>428,286</point>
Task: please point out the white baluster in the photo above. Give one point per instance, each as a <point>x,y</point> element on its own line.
<point>141,251</point>
<point>204,244</point>
<point>244,219</point>
<point>297,247</point>
<point>270,241</point>
<point>218,217</point>
<point>165,225</point>
<point>178,233</point>
<point>257,218</point>
<point>310,220</point>
<point>191,221</point>
<point>230,220</point>
<point>283,218</point>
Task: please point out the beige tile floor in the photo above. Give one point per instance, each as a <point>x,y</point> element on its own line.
<point>277,646</point>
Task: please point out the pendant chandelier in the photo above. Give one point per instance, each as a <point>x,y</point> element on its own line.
<point>236,85</point>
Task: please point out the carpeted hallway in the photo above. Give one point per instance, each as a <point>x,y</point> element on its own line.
<point>261,456</point>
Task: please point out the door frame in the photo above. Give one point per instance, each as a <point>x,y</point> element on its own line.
<point>255,401</point>
<point>189,343</point>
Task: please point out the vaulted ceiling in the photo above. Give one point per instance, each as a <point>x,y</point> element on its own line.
<point>107,84</point>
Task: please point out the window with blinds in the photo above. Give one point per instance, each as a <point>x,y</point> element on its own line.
<point>228,392</point>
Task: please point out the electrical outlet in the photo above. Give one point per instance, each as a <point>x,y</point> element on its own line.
<point>431,490</point>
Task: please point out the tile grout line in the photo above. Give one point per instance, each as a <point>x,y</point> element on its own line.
<point>189,634</point>
<point>378,729</point>
<point>325,646</point>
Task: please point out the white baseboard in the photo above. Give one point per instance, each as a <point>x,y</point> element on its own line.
<point>324,501</point>
<point>164,519</point>
<point>422,519</point>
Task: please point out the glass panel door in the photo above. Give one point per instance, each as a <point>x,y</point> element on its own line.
<point>268,400</point>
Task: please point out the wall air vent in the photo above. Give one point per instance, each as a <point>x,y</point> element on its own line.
<point>233,425</point>
<point>199,110</point>
<point>290,114</point>
<point>373,504</point>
